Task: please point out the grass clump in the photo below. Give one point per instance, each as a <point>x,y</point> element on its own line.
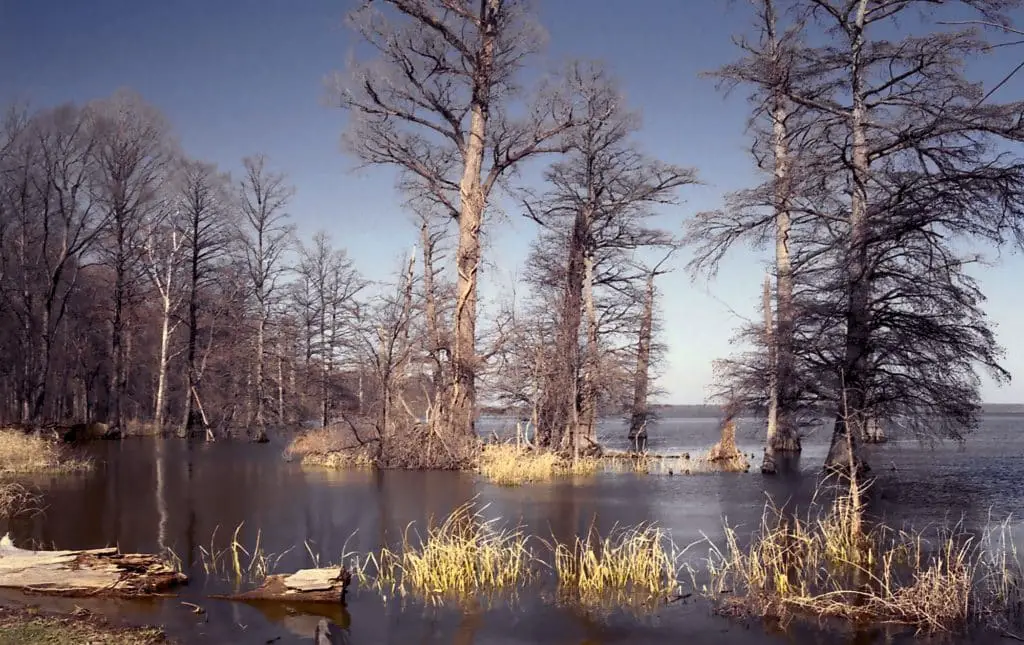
<point>830,566</point>
<point>237,563</point>
<point>630,567</point>
<point>16,499</point>
<point>25,454</point>
<point>329,447</point>
<point>462,559</point>
<point>509,464</point>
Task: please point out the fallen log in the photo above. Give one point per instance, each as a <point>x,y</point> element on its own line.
<point>305,585</point>
<point>92,572</point>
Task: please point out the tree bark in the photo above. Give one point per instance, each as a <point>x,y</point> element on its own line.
<point>641,379</point>
<point>472,202</point>
<point>785,438</point>
<point>258,378</point>
<point>588,390</point>
<point>849,426</point>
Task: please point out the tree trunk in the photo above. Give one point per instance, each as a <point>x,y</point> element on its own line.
<point>280,382</point>
<point>768,462</point>
<point>258,378</point>
<point>785,438</point>
<point>641,378</point>
<point>192,420</point>
<point>472,203</point>
<point>117,350</point>
<point>588,390</point>
<point>844,452</point>
<point>161,378</point>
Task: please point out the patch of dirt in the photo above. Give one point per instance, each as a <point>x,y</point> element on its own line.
<point>31,626</point>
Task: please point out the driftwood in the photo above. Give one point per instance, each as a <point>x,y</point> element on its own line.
<point>305,585</point>
<point>94,572</point>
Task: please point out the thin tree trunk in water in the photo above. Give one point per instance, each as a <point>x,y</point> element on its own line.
<point>768,465</point>
<point>472,202</point>
<point>785,438</point>
<point>849,425</point>
<point>638,418</point>
<point>161,379</point>
<point>280,383</point>
<point>191,420</point>
<point>117,351</point>
<point>261,431</point>
<point>588,390</point>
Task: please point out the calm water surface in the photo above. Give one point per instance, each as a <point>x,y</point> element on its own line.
<point>147,495</point>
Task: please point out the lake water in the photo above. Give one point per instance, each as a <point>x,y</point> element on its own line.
<point>149,494</point>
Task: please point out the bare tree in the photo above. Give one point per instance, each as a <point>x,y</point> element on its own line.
<point>164,240</point>
<point>904,161</point>
<point>601,196</point>
<point>209,214</point>
<point>333,284</point>
<point>132,154</point>
<point>264,196</point>
<point>435,104</point>
<point>639,413</point>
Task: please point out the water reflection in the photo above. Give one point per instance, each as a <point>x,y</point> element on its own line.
<point>149,494</point>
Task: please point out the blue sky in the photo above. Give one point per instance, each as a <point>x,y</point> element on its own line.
<point>237,77</point>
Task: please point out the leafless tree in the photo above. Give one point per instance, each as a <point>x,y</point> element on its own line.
<point>329,284</point>
<point>132,153</point>
<point>436,104</point>
<point>905,162</point>
<point>264,196</point>
<point>594,218</point>
<point>164,241</point>
<point>209,211</point>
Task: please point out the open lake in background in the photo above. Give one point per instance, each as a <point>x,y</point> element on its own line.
<point>150,494</point>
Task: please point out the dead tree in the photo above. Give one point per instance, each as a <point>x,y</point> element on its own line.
<point>435,104</point>
<point>904,162</point>
<point>332,283</point>
<point>209,217</point>
<point>600,198</point>
<point>639,413</point>
<point>264,196</point>
<point>132,159</point>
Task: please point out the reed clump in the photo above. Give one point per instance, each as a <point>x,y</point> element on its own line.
<point>463,559</point>
<point>235,562</point>
<point>831,566</point>
<point>26,454</point>
<point>16,499</point>
<point>630,567</point>
<point>511,464</point>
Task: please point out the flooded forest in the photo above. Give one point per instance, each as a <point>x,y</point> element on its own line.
<point>217,427</point>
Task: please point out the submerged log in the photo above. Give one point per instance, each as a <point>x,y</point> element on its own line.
<point>104,572</point>
<point>305,585</point>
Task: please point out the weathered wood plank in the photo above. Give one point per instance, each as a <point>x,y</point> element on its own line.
<point>84,573</point>
<point>305,585</point>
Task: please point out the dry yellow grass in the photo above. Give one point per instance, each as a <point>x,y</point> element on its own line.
<point>829,566</point>
<point>463,559</point>
<point>329,448</point>
<point>631,567</point>
<point>22,454</point>
<point>15,499</point>
<point>509,464</point>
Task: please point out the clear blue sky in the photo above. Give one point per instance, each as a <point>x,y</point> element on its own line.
<point>237,77</point>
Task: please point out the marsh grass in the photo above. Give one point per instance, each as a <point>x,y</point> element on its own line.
<point>15,499</point>
<point>328,448</point>
<point>830,566</point>
<point>463,559</point>
<point>236,563</point>
<point>630,568</point>
<point>24,454</point>
<point>510,464</point>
